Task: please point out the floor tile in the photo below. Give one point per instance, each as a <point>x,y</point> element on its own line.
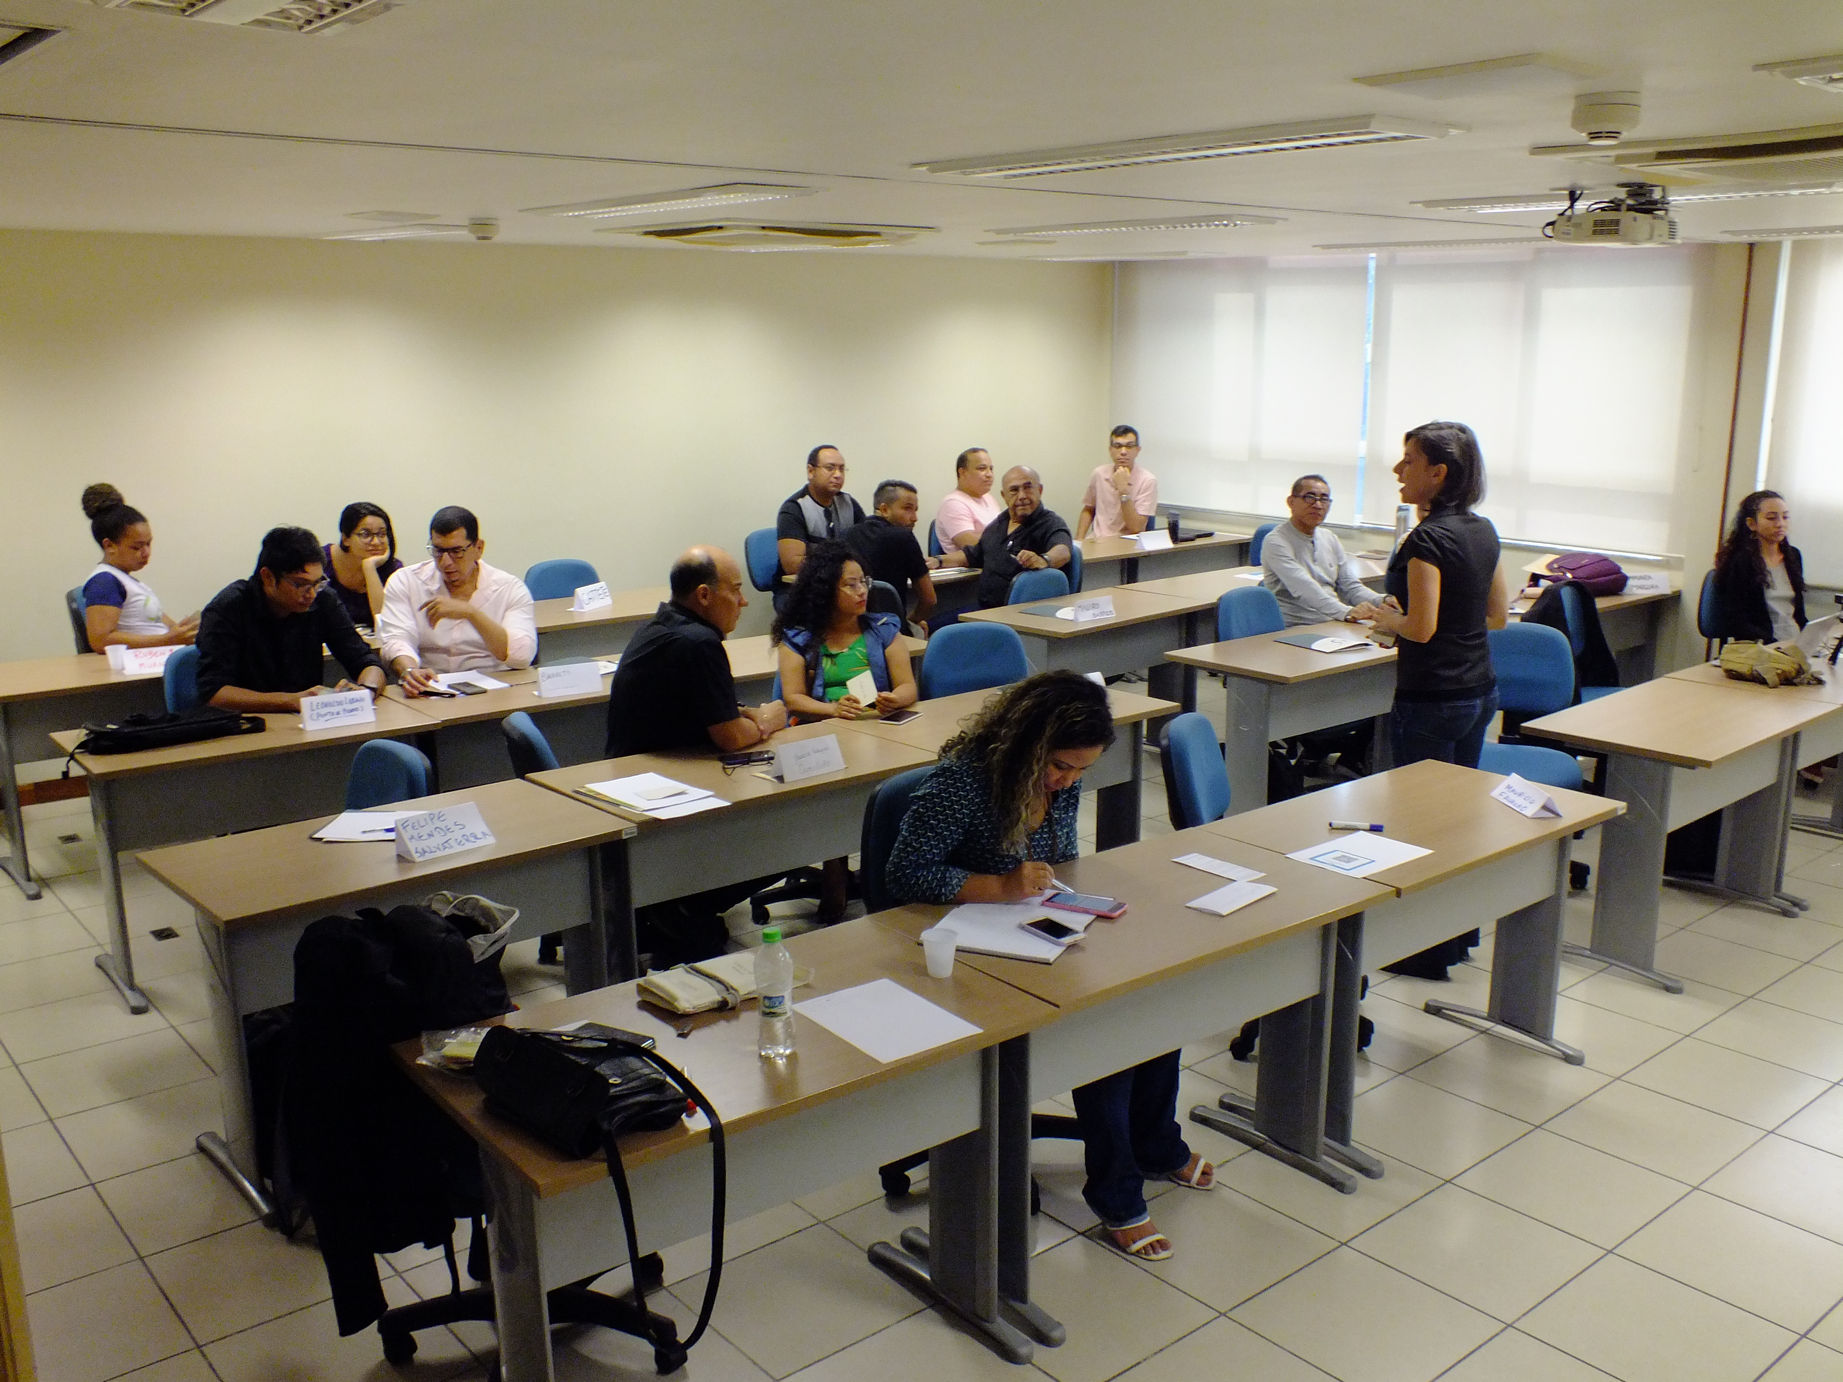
<point>745,1235</point>
<point>588,1354</point>
<point>1464,983</point>
<point>1363,1322</point>
<point>50,979</point>
<point>173,1203</point>
<point>1812,990</point>
<point>1573,1187</point>
<point>16,906</point>
<point>202,1037</point>
<point>39,1164</point>
<point>1501,1074</point>
<point>1515,1357</point>
<point>19,1107</point>
<point>1680,1012</point>
<point>1406,1036</point>
<point>1829,1331</point>
<point>1728,1082</point>
<point>1790,1181</point>
<point>1784,1274</point>
<point>1223,1349</point>
<point>846,1195</point>
<point>67,1236</point>
<point>1476,1250</point>
<point>1820,1124</point>
<point>1689,954</point>
<point>153,1060</point>
<point>184,1367</point>
<point>1807,1362</point>
<point>1196,1087</point>
<point>48,933</point>
<point>1316,1204</point>
<point>1825,898</point>
<point>1798,938</point>
<point>801,1299</point>
<point>142,1327</point>
<point>1429,1128</point>
<point>122,1137</point>
<point>1642,1327</point>
<point>926,1347</point>
<point>304,1346</point>
<point>179,998</point>
<point>1227,1247</point>
<point>90,1019</point>
<point>1795,1039</point>
<point>1657,1132</point>
<point>1116,1314</point>
<point>1612,1042</point>
<point>234,1280</point>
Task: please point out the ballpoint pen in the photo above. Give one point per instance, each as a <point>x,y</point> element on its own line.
<point>1375,826</point>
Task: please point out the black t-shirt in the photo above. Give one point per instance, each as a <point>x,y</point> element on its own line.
<point>1455,664</point>
<point>839,517</point>
<point>887,552</point>
<point>995,554</point>
<point>358,602</point>
<point>242,643</point>
<point>673,684</point>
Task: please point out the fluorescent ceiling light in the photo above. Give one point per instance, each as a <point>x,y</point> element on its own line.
<point>1826,74</point>
<point>1437,244</point>
<point>426,231</point>
<point>1226,221</point>
<point>394,218</point>
<point>724,194</point>
<point>1558,201</point>
<point>1111,258</point>
<point>1039,240</point>
<point>1180,148</point>
<point>1526,72</point>
<point>1784,232</point>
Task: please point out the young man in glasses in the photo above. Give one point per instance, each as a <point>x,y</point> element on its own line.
<point>1122,495</point>
<point>453,612</point>
<point>259,640</point>
<point>1305,566</point>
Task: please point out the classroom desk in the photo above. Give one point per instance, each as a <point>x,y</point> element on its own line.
<point>1144,628</point>
<point>956,590</point>
<point>1677,750</point>
<point>1487,862</point>
<point>1117,776</point>
<point>1276,689</point>
<point>467,746</point>
<point>255,892</point>
<point>42,696</point>
<point>1112,561</point>
<point>565,633</point>
<point>790,1128</point>
<point>1206,587</point>
<point>1633,625</point>
<point>191,791</point>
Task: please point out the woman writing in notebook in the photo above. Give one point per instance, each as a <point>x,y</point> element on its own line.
<point>987,825</point>
<point>118,607</point>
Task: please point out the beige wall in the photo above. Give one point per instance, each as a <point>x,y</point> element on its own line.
<point>609,404</point>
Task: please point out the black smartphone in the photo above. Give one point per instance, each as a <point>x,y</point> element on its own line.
<point>900,717</point>
<point>440,691</point>
<point>1052,930</point>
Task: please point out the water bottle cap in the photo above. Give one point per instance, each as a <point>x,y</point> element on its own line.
<point>771,935</point>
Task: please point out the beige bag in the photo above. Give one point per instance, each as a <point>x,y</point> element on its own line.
<point>720,983</point>
<point>1773,664</point>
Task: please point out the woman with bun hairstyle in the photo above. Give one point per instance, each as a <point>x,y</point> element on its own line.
<point>1759,576</point>
<point>118,607</point>
<point>364,560</point>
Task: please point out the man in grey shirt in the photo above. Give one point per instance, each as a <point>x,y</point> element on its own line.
<point>1304,564</point>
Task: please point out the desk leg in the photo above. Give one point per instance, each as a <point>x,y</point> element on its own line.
<point>1287,1119</point>
<point>17,866</point>
<point>1831,825</point>
<point>1250,711</point>
<point>618,934</point>
<point>118,964</point>
<point>1525,972</point>
<point>1116,808</point>
<point>585,947</point>
<point>1748,860</point>
<point>234,1154</point>
<point>520,1303</point>
<point>1631,865</point>
<point>955,1263</point>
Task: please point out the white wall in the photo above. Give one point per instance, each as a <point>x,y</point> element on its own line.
<point>610,404</point>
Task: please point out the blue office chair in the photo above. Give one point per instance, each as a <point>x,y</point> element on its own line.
<point>74,605</point>
<point>531,753</point>
<point>384,771</point>
<point>1571,614</point>
<point>763,558</point>
<point>1535,673</point>
<point>1073,569</point>
<point>558,577</point>
<point>971,657</point>
<point>1258,541</point>
<point>1248,611</point>
<point>1196,778</point>
<point>1707,612</point>
<point>1550,767</point>
<point>1030,586</point>
<point>181,680</point>
<point>885,599</point>
<point>934,543</point>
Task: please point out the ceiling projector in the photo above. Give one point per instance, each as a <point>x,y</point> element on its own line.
<point>1638,214</point>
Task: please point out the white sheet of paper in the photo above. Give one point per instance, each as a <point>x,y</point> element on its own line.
<point>1155,540</point>
<point>592,596</point>
<point>1646,583</point>
<point>646,791</point>
<point>476,679</point>
<point>337,708</point>
<point>996,928</point>
<point>350,827</point>
<point>863,687</point>
<point>884,1020</point>
<point>687,808</point>
<point>1245,575</point>
<point>447,830</point>
<point>1525,798</point>
<point>1222,868</point>
<point>1230,898</point>
<point>570,679</point>
<point>1359,854</point>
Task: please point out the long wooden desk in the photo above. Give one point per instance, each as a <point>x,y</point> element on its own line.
<point>1677,750</point>
<point>1112,561</point>
<point>1488,862</point>
<point>1277,689</point>
<point>255,892</point>
<point>564,633</point>
<point>42,696</point>
<point>790,1127</point>
<point>1205,587</point>
<point>1144,628</point>
<point>191,791</point>
<point>467,747</point>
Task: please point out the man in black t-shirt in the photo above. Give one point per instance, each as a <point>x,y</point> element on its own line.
<point>885,547</point>
<point>820,511</point>
<point>1025,537</point>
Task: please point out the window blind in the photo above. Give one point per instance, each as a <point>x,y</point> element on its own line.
<point>1804,459</point>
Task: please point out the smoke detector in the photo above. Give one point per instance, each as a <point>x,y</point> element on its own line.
<point>1605,117</point>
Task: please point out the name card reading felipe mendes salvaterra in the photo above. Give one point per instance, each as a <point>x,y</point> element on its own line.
<point>447,830</point>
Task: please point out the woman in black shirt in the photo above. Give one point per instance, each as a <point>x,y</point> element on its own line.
<point>1759,576</point>
<point>363,562</point>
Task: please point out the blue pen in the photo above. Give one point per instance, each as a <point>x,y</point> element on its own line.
<point>1357,825</point>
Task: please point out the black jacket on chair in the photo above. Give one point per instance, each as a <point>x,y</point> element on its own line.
<point>1594,664</point>
<point>1740,598</point>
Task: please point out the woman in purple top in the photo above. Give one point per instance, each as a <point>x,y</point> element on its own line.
<point>363,562</point>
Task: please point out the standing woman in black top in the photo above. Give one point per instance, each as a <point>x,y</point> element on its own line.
<point>1759,576</point>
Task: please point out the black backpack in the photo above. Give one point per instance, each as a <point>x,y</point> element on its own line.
<point>163,729</point>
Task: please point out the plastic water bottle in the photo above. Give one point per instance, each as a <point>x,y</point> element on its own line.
<point>774,986</point>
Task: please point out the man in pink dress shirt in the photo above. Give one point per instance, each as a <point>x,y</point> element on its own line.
<point>1122,497</point>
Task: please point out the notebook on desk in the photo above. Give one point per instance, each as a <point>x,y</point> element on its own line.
<point>1327,642</point>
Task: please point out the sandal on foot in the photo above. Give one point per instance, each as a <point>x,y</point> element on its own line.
<point>1195,1174</point>
<point>1142,1241</point>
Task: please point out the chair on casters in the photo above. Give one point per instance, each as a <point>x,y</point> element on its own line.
<point>971,657</point>
<point>558,577</point>
<point>883,815</point>
<point>530,753</point>
<point>1258,541</point>
<point>75,605</point>
<point>180,680</point>
<point>385,771</point>
<point>1047,584</point>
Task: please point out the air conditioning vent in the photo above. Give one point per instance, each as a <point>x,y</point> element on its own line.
<point>1768,157</point>
<point>282,16</point>
<point>756,236</point>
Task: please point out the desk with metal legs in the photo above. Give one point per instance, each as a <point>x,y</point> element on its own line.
<point>791,1128</point>
<point>1143,629</point>
<point>467,746</point>
<point>1117,561</point>
<point>255,892</point>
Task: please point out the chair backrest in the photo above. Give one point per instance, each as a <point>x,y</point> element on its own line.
<point>971,657</point>
<point>560,576</point>
<point>1258,541</point>
<point>934,543</point>
<point>885,599</point>
<point>1534,667</point>
<point>883,815</point>
<point>1073,570</point>
<point>1196,779</point>
<point>79,626</point>
<point>1047,584</point>
<point>763,558</point>
<point>1574,619</point>
<point>1247,611</point>
<point>529,750</point>
<point>383,771</point>
<point>1550,767</point>
<point>180,680</point>
<point>1705,606</point>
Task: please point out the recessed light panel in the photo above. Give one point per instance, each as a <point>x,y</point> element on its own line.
<point>1437,244</point>
<point>688,199</point>
<point>1524,73</point>
<point>1225,221</point>
<point>416,232</point>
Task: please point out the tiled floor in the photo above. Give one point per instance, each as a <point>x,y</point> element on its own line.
<point>1671,1211</point>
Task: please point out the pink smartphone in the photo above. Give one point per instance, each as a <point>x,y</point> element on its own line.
<point>1108,907</point>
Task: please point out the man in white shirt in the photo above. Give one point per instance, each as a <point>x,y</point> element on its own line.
<point>1305,566</point>
<point>454,613</point>
<point>1122,497</point>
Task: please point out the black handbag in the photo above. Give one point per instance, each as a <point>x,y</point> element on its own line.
<point>145,730</point>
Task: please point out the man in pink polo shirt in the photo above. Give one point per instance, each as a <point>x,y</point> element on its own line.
<point>1122,497</point>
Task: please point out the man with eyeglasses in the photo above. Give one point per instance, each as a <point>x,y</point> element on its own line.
<point>1305,566</point>
<point>453,612</point>
<point>1025,537</point>
<point>1122,497</point>
<point>260,639</point>
<point>820,511</point>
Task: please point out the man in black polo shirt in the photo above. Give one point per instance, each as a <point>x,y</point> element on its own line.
<point>1025,537</point>
<point>260,639</point>
<point>820,511</point>
<point>885,547</point>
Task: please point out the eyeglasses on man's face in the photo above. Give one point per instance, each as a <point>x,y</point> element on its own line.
<point>1317,499</point>
<point>441,553</point>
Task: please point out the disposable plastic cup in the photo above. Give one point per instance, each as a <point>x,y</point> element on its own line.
<point>938,946</point>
